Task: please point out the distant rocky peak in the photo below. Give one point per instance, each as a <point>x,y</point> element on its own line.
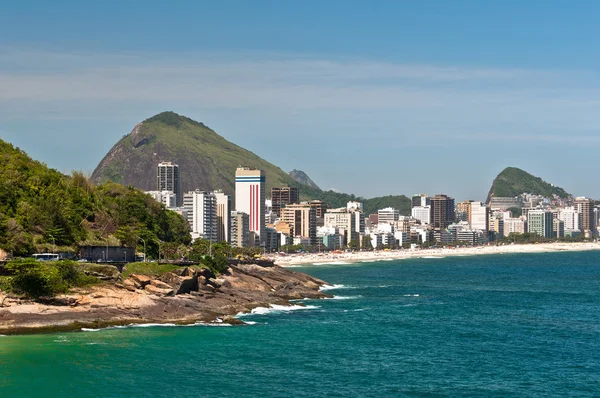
<point>303,178</point>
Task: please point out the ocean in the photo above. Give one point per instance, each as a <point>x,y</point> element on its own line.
<point>483,326</point>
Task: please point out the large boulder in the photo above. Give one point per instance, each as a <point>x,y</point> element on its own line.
<point>180,284</point>
<point>159,291</point>
<point>142,280</point>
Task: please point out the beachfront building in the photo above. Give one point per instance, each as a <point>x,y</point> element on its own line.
<point>571,218</point>
<point>496,226</point>
<point>558,228</point>
<point>240,229</point>
<point>478,216</point>
<point>586,210</point>
<point>200,209</point>
<point>250,199</point>
<point>516,225</point>
<point>167,179</point>
<point>540,222</point>
<point>442,211</point>
<point>302,219</point>
<point>352,223</point>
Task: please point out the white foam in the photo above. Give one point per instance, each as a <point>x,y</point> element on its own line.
<point>333,263</point>
<point>332,287</point>
<point>250,322</point>
<point>342,297</point>
<point>275,308</point>
<point>217,322</point>
<point>433,257</point>
<point>411,295</point>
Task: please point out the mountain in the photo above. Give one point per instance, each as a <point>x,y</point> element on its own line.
<point>513,181</point>
<point>303,178</point>
<point>206,161</point>
<point>42,209</point>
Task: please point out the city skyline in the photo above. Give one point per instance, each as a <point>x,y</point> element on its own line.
<point>392,86</point>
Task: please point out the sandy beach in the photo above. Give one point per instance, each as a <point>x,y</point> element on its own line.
<point>382,255</point>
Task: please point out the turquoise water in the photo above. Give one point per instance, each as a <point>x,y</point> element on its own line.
<point>511,325</point>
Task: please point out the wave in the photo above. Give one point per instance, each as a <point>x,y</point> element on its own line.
<point>343,297</point>
<point>335,286</point>
<point>332,263</point>
<point>411,295</point>
<point>275,308</point>
<point>217,322</point>
<point>433,257</point>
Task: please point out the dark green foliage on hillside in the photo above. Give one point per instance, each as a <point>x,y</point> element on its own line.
<point>512,182</point>
<point>42,209</point>
<point>338,199</point>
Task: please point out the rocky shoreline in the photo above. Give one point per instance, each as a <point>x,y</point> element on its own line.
<point>184,296</point>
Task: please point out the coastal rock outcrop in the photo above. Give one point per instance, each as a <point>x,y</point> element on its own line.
<point>186,295</point>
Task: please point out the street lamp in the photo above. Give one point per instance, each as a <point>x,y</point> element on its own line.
<point>142,239</point>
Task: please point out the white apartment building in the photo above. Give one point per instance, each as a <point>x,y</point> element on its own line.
<point>422,213</point>
<point>388,215</point>
<point>478,216</point>
<point>352,223</point>
<point>516,225</point>
<point>168,198</point>
<point>201,212</point>
<point>571,218</point>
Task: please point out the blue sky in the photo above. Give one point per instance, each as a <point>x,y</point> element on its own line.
<point>379,97</point>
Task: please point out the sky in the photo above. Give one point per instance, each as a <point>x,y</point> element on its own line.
<point>370,98</point>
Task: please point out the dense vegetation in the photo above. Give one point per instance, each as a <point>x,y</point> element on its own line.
<point>207,161</point>
<point>512,182</point>
<point>44,210</point>
<point>36,279</point>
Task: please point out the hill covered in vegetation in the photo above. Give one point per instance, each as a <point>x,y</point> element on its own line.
<point>513,181</point>
<point>207,161</point>
<point>44,210</point>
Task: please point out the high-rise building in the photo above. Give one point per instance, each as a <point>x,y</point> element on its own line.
<point>388,215</point>
<point>351,224</point>
<point>320,208</point>
<point>586,213</point>
<point>223,217</point>
<point>167,179</point>
<point>571,218</point>
<point>478,216</point>
<point>558,228</point>
<point>302,219</point>
<point>240,229</point>
<point>442,211</point>
<point>201,213</point>
<point>250,199</point>
<point>420,200</point>
<point>540,222</point>
<point>282,196</point>
<point>422,213</point>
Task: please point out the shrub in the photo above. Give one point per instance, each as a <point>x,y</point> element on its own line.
<point>39,279</point>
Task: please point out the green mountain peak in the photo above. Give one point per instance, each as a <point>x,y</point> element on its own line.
<point>513,181</point>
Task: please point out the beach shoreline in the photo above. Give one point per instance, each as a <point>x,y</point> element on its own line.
<point>329,258</point>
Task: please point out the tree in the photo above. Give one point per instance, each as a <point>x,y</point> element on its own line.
<point>367,243</point>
